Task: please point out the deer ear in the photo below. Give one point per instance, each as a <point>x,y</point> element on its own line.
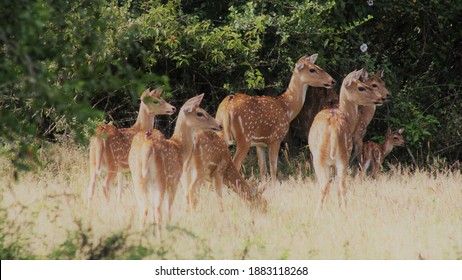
<point>313,58</point>
<point>379,73</point>
<point>145,92</point>
<point>193,103</point>
<point>348,81</point>
<point>354,75</point>
<point>388,131</point>
<point>157,92</point>
<point>401,130</point>
<point>300,63</point>
<point>363,76</point>
<point>358,74</point>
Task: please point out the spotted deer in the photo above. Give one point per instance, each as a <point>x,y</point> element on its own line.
<point>263,121</point>
<point>110,145</point>
<point>330,138</point>
<point>366,113</point>
<point>157,163</point>
<point>211,160</point>
<point>374,153</point>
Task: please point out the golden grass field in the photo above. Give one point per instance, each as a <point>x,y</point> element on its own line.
<point>397,216</point>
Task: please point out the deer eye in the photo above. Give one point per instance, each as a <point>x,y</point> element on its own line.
<point>312,70</point>
<point>200,114</point>
<point>361,89</point>
<point>375,86</point>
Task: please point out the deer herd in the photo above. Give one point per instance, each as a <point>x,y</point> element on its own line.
<point>198,149</point>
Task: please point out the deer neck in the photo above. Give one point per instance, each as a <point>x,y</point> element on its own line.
<point>183,137</point>
<point>144,121</point>
<point>387,146</point>
<point>349,109</point>
<point>367,112</point>
<point>234,180</point>
<point>294,96</point>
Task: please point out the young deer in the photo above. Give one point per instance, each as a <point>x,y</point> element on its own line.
<point>157,163</point>
<point>375,153</point>
<point>110,146</point>
<point>212,160</point>
<point>263,121</point>
<point>366,113</point>
<point>330,138</point>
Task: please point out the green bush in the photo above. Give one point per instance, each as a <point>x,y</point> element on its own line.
<point>66,61</point>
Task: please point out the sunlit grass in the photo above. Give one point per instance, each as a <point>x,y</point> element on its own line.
<point>398,216</point>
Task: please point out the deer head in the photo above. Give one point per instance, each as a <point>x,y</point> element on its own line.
<point>153,104</point>
<point>312,74</point>
<point>358,92</point>
<point>196,117</point>
<point>377,84</point>
<point>396,137</point>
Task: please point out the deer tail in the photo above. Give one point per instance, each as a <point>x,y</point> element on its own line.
<point>146,154</point>
<point>224,118</point>
<point>333,144</point>
<point>98,146</point>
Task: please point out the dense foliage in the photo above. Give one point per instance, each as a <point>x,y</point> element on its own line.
<point>64,63</point>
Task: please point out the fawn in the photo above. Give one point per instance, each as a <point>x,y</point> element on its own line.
<point>212,160</point>
<point>375,153</point>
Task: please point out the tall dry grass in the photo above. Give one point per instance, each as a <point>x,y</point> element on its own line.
<point>398,216</point>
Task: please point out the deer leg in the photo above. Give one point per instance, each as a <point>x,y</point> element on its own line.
<point>142,198</point>
<point>157,198</point>
<point>120,184</point>
<point>273,157</point>
<point>322,174</point>
<point>193,189</point>
<point>111,167</point>
<point>110,176</point>
<point>96,154</point>
<point>364,165</point>
<point>341,174</point>
<point>262,162</point>
<point>218,182</point>
<point>91,186</point>
<point>375,168</point>
<point>170,198</point>
<point>185,181</point>
<point>325,187</point>
<point>242,148</point>
<point>358,148</point>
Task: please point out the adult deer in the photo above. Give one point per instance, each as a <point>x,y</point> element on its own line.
<point>375,153</point>
<point>157,163</point>
<point>330,138</point>
<point>110,146</point>
<point>263,121</point>
<point>212,160</point>
<point>366,113</point>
